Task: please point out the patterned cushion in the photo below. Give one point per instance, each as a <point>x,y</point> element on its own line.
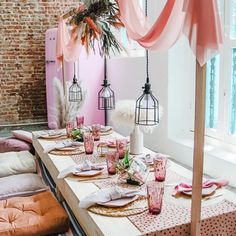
<point>37,215</point>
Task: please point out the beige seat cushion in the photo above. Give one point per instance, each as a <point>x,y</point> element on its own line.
<point>12,163</point>
<point>37,215</point>
<point>21,185</point>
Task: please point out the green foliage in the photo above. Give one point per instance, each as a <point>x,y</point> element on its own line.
<point>96,21</point>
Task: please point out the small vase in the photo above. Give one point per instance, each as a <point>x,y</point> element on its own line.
<point>136,141</point>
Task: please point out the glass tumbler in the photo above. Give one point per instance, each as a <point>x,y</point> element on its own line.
<point>88,143</point>
<point>69,128</point>
<point>155,193</point>
<point>159,163</point>
<point>112,159</point>
<point>96,131</point>
<point>79,121</point>
<point>121,147</point>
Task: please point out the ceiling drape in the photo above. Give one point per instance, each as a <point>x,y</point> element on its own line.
<point>197,19</point>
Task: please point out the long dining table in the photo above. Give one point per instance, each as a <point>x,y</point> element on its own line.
<point>175,216</point>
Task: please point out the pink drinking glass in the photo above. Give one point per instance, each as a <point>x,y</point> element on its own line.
<point>159,163</point>
<point>155,193</point>
<point>96,131</point>
<point>79,121</point>
<point>112,159</point>
<point>121,147</point>
<point>69,128</point>
<point>88,143</point>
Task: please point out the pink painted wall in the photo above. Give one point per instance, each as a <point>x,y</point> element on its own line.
<point>89,70</point>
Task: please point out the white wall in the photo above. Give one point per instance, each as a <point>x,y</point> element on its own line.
<point>172,76</point>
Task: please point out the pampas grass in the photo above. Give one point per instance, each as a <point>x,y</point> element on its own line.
<point>64,110</point>
<point>124,115</point>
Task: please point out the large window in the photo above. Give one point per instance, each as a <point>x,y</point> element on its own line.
<point>221,80</point>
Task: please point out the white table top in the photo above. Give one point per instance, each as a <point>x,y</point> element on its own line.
<point>72,190</point>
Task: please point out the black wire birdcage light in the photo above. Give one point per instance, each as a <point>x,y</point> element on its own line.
<point>106,96</point>
<point>75,91</point>
<point>147,106</point>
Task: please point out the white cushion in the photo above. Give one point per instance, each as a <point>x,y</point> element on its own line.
<point>12,163</point>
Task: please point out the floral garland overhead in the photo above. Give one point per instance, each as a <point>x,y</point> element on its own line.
<point>94,20</point>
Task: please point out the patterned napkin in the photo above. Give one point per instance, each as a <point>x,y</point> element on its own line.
<point>187,187</point>
<point>109,194</point>
<point>86,166</point>
<point>62,144</point>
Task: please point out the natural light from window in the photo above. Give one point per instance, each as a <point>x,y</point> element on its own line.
<point>220,119</point>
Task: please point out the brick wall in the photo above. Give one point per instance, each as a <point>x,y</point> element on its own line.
<point>22,68</point>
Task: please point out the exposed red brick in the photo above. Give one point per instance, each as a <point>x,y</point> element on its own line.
<point>23,24</point>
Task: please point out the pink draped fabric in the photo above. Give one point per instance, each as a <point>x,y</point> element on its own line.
<point>68,45</point>
<point>198,19</point>
<point>164,32</point>
<point>203,28</point>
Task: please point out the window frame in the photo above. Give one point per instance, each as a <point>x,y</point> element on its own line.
<point>221,133</point>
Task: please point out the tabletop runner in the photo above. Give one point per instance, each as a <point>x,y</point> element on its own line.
<point>217,219</point>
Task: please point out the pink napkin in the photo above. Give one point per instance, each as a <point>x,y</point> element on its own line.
<point>187,187</point>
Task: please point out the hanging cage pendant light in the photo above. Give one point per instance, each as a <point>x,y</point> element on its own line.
<point>147,106</point>
<point>106,96</point>
<point>75,91</point>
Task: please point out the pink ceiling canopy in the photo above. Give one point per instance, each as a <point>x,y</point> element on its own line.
<point>197,19</point>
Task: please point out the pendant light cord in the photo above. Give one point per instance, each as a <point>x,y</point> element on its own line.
<point>74,79</point>
<point>147,54</point>
<point>105,67</point>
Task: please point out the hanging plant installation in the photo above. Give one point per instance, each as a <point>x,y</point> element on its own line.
<point>93,20</point>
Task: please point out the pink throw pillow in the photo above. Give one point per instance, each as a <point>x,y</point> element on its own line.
<point>15,145</point>
<point>23,135</point>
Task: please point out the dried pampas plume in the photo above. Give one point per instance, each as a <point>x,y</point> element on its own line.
<point>124,115</point>
<point>64,110</point>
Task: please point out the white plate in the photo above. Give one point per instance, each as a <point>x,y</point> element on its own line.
<point>119,202</point>
<point>89,173</point>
